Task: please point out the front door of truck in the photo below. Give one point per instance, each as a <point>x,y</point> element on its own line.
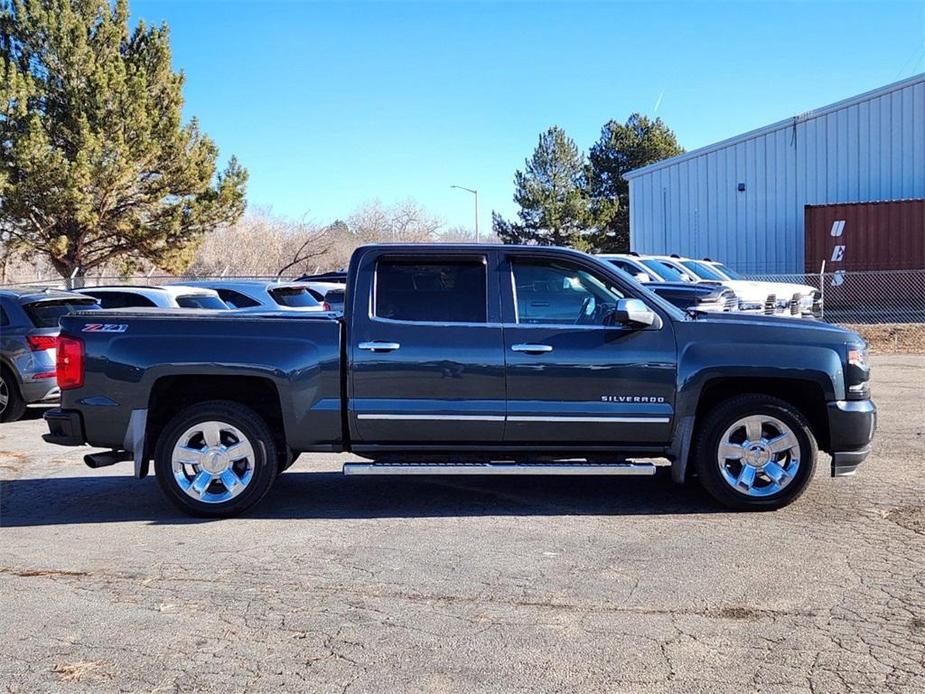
<point>427,353</point>
<point>571,378</point>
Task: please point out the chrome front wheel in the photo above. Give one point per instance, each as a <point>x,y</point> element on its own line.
<point>755,452</point>
<point>758,455</point>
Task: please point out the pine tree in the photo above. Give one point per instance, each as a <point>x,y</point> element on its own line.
<point>622,148</point>
<point>95,164</point>
<point>552,195</point>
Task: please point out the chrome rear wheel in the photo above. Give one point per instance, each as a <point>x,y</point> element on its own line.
<point>213,462</point>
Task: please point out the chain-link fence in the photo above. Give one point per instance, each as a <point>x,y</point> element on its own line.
<point>868,296</point>
<point>875,296</point>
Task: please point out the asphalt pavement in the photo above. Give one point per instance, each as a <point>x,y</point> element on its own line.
<point>467,584</point>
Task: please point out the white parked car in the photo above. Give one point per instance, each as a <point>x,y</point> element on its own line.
<point>752,297</point>
<point>801,299</point>
<point>170,296</point>
<point>262,294</point>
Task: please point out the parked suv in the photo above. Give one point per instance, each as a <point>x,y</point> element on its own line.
<point>261,294</point>
<point>28,327</point>
<point>173,296</point>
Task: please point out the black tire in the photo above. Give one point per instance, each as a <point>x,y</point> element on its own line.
<point>724,416</point>
<point>15,406</point>
<point>245,420</point>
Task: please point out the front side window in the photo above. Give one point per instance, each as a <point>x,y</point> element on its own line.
<point>442,291</point>
<point>668,272</point>
<point>554,293</point>
<point>637,273</point>
<point>703,270</point>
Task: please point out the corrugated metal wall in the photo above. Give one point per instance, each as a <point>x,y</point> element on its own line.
<point>869,148</point>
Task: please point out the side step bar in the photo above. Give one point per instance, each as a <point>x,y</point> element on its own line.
<point>499,469</point>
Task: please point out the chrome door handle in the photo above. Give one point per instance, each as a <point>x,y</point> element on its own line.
<point>379,346</point>
<point>531,349</point>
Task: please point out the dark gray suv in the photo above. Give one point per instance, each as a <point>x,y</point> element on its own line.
<point>28,327</point>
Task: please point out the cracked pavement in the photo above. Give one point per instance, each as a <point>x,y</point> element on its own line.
<point>467,584</point>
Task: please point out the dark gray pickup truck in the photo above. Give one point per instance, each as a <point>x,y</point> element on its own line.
<point>466,360</point>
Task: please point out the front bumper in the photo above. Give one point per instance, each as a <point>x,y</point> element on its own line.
<point>851,428</point>
<point>65,427</point>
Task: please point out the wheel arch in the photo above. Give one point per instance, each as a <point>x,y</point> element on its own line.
<point>171,393</point>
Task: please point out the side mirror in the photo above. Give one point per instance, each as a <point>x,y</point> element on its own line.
<point>632,312</point>
<point>642,277</point>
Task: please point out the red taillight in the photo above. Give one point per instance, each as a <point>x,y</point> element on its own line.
<point>39,343</point>
<point>70,363</point>
<point>325,306</point>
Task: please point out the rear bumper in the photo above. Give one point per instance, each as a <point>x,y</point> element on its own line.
<point>851,428</point>
<point>65,427</point>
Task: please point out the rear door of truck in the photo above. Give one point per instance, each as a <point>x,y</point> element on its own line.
<point>425,348</point>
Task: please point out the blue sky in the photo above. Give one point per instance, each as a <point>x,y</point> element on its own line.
<point>331,104</point>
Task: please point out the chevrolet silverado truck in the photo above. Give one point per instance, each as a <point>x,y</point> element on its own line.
<point>468,359</point>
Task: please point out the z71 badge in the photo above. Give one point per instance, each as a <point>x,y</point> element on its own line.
<point>104,328</point>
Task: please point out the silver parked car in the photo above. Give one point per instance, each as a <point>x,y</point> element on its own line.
<point>262,295</point>
<point>28,328</point>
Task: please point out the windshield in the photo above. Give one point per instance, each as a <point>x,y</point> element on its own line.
<point>728,271</point>
<point>293,297</point>
<point>45,314</point>
<point>702,270</point>
<point>665,272</point>
<point>200,301</point>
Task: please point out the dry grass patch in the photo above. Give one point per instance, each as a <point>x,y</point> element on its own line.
<point>79,670</point>
<point>893,338</point>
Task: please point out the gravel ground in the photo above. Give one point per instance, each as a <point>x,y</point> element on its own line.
<point>467,584</point>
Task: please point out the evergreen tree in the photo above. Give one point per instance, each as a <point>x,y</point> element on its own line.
<point>623,147</point>
<point>552,195</point>
<point>95,163</point>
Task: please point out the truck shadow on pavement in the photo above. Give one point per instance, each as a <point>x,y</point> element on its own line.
<point>330,495</point>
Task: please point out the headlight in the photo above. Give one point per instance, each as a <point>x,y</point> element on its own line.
<point>857,375</point>
<point>806,302</point>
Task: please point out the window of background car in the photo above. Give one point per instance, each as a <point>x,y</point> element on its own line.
<point>728,271</point>
<point>702,270</point>
<point>549,292</point>
<point>121,299</point>
<point>235,299</point>
<point>200,301</point>
<point>294,297</point>
<point>632,270</point>
<point>445,291</point>
<point>45,314</point>
<point>664,271</point>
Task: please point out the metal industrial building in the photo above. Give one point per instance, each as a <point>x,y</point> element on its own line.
<point>742,200</point>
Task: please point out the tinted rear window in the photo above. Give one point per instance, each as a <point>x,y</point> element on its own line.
<point>236,299</point>
<point>200,301</point>
<point>451,291</point>
<point>121,299</point>
<point>293,297</point>
<point>45,314</point>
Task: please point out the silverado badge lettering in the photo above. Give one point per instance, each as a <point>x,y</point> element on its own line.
<point>632,398</point>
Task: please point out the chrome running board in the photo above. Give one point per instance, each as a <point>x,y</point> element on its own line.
<point>499,469</point>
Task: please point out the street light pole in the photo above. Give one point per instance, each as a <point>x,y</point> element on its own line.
<point>475,192</point>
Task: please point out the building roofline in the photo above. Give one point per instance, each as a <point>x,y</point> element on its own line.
<point>779,125</point>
